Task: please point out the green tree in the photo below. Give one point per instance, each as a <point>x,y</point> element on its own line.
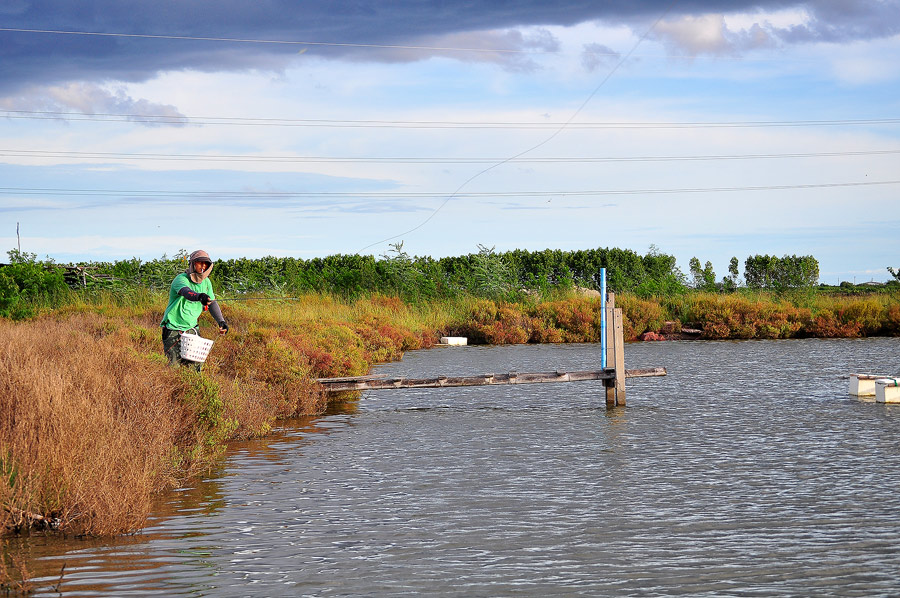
<point>790,271</point>
<point>492,277</point>
<point>730,282</point>
<point>704,277</point>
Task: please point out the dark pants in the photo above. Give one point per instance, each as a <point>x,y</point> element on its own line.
<point>172,348</point>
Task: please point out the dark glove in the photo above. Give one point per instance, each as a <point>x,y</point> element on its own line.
<point>204,299</point>
<point>223,327</point>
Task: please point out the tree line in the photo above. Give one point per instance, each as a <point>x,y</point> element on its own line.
<point>760,272</point>
<point>485,273</point>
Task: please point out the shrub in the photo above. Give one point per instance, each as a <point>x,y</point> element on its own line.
<point>730,316</point>
<point>25,282</point>
<point>640,315</point>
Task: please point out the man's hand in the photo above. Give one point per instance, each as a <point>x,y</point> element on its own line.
<point>204,299</point>
<point>223,327</point>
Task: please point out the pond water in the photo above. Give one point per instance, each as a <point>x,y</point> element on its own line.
<point>747,471</point>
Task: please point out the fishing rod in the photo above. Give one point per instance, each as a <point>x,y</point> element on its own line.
<point>259,299</point>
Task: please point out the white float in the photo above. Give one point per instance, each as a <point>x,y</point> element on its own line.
<point>454,340</point>
<point>863,385</point>
<point>887,390</point>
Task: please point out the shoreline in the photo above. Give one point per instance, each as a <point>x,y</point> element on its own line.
<point>86,445</point>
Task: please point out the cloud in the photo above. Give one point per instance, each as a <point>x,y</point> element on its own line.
<point>13,7</point>
<point>89,98</point>
<point>709,34</point>
<point>841,21</point>
<point>594,56</point>
<point>499,47</point>
<point>30,59</point>
<point>792,23</point>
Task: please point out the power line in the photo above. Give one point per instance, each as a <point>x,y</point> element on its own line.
<point>423,124</point>
<point>281,42</point>
<point>667,56</point>
<point>611,54</point>
<point>546,140</point>
<point>46,191</point>
<point>420,159</point>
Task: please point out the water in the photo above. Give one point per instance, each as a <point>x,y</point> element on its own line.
<point>747,471</point>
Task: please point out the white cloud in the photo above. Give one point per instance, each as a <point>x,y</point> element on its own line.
<point>90,98</point>
<point>705,34</point>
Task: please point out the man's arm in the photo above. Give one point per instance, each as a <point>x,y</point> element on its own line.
<point>216,312</point>
<point>190,295</point>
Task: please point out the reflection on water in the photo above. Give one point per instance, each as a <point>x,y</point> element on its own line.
<point>747,471</point>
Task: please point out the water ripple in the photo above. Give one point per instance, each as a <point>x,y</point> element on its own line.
<point>747,471</point>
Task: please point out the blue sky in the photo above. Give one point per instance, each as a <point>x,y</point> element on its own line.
<point>707,129</point>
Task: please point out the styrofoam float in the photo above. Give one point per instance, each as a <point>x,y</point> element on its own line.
<point>887,390</point>
<point>863,385</point>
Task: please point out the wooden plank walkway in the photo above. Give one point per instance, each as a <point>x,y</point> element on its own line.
<point>377,382</point>
<point>613,372</point>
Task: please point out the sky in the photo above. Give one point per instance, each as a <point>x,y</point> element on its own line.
<point>697,129</point>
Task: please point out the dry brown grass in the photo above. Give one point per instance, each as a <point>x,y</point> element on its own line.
<point>87,426</point>
<point>93,422</point>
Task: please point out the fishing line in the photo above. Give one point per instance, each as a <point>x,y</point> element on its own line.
<point>542,143</point>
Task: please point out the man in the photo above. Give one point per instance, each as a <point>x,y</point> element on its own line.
<point>190,295</point>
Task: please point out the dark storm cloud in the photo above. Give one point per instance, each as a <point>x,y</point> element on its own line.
<point>34,59</point>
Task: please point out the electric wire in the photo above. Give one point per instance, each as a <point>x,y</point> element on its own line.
<point>281,42</point>
<point>542,143</point>
<point>666,56</point>
<point>51,192</point>
<point>423,124</point>
<point>80,155</point>
<point>558,128</point>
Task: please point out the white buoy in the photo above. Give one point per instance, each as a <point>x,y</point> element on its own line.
<point>887,390</point>
<point>454,340</point>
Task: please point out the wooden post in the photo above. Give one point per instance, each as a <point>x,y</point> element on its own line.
<point>610,349</point>
<point>619,332</point>
<point>615,354</point>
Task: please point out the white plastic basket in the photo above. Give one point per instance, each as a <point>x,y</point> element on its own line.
<point>194,347</point>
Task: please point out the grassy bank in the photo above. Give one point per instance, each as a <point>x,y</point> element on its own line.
<point>94,423</point>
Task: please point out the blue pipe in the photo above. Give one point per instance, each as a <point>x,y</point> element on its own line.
<point>602,318</point>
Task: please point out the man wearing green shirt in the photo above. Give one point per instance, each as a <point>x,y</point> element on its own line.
<point>190,295</point>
